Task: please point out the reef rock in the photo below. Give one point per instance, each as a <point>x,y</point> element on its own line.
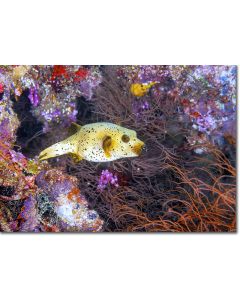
<point>58,206</point>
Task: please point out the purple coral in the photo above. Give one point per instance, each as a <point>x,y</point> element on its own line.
<point>139,106</point>
<point>106,178</point>
<point>206,123</point>
<point>29,216</point>
<point>70,208</point>
<point>33,96</point>
<point>213,110</point>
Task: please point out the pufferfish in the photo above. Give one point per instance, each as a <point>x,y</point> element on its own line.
<point>141,89</point>
<point>97,142</point>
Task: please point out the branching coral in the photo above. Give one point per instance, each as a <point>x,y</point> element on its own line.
<point>170,195</point>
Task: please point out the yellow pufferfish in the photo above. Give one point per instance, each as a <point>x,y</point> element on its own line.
<point>97,142</point>
<point>141,89</point>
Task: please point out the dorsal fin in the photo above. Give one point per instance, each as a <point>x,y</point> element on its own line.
<point>74,128</point>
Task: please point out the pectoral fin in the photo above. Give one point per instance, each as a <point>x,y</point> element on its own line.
<point>107,143</point>
<point>76,157</point>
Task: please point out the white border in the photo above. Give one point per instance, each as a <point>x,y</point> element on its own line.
<point>120,266</point>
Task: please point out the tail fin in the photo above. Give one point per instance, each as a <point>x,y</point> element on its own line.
<point>57,149</point>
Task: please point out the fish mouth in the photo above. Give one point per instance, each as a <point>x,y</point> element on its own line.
<point>137,149</point>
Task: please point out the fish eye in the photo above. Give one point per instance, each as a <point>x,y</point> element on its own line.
<point>125,138</point>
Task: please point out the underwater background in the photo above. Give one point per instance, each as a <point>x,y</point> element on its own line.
<point>184,180</point>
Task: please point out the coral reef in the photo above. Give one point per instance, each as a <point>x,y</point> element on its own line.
<point>52,89</point>
<point>205,95</point>
<point>58,206</point>
<point>184,180</point>
<point>19,179</point>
